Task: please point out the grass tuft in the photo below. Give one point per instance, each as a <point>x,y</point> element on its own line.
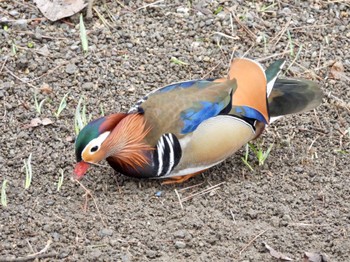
<point>62,106</point>
<point>80,118</point>
<point>38,106</point>
<point>260,154</point>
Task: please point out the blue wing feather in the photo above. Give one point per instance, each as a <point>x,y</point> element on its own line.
<point>194,116</point>
<point>186,84</point>
<point>178,85</point>
<point>248,112</point>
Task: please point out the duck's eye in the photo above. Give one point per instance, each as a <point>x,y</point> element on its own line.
<point>94,149</point>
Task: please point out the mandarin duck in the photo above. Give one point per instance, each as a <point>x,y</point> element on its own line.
<point>182,129</point>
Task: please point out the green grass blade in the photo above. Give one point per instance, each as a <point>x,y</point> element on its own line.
<point>77,118</point>
<point>218,10</point>
<point>247,164</point>
<point>62,106</point>
<point>177,61</point>
<point>83,35</point>
<point>41,105</point>
<point>265,155</point>
<point>14,48</point>
<point>252,147</point>
<point>38,106</point>
<point>245,158</point>
<point>84,117</point>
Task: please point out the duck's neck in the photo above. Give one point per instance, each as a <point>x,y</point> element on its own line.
<point>126,145</point>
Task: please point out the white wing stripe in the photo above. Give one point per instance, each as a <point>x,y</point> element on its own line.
<point>171,153</point>
<point>160,149</point>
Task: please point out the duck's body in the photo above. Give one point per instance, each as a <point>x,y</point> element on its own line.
<point>185,128</point>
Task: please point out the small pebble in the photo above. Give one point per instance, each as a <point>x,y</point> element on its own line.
<point>114,242</point>
<point>180,244</point>
<point>183,10</point>
<point>96,254</point>
<point>74,47</point>
<point>63,254</point>
<point>298,169</point>
<point>88,86</point>
<point>125,258</point>
<point>71,68</point>
<point>206,59</point>
<point>106,232</point>
<point>56,236</point>
<point>50,202</point>
<point>221,15</point>
<point>286,11</point>
<point>14,13</point>
<point>151,253</point>
<point>180,234</point>
<point>20,24</point>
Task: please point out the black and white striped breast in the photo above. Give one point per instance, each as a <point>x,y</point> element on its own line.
<point>167,155</point>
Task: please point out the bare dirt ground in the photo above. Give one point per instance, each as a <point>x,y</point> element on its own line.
<point>298,201</point>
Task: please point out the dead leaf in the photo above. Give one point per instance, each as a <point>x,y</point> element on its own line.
<point>46,121</point>
<point>57,9</point>
<point>277,254</point>
<point>337,70</point>
<point>45,89</point>
<point>314,257</point>
<point>35,122</point>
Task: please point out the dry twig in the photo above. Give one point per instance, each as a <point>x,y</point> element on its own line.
<point>88,193</point>
<point>3,65</point>
<point>203,192</point>
<point>244,27</point>
<point>179,198</point>
<point>151,4</point>
<point>20,79</point>
<point>33,256</point>
<point>251,242</point>
<point>281,33</point>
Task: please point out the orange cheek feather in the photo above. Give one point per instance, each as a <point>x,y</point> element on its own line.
<point>80,169</point>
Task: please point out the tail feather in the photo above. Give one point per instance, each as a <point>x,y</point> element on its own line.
<point>272,73</point>
<point>293,96</point>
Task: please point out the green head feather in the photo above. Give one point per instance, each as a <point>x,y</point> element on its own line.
<point>89,132</point>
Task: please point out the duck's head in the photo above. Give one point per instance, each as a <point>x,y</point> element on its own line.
<point>89,145</point>
<point>119,135</point>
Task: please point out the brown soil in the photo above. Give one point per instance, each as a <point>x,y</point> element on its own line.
<point>298,201</point>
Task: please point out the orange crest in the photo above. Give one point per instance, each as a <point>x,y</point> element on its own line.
<point>126,142</point>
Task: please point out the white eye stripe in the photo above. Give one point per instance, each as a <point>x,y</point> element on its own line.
<point>96,143</point>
